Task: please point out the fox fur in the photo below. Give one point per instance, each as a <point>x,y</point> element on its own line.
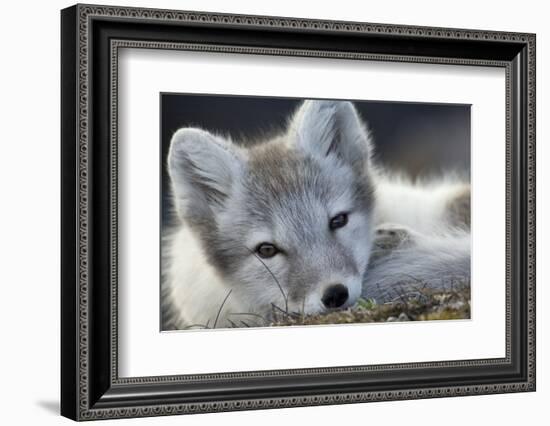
<point>285,191</point>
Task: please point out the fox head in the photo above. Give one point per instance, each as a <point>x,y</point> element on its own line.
<point>286,222</point>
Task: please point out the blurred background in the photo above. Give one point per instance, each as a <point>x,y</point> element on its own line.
<point>419,139</point>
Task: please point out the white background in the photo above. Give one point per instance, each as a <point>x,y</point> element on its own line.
<point>29,229</point>
<point>146,352</point>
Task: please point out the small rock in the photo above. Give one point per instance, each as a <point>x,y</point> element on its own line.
<point>456,305</point>
<point>403,317</point>
<point>391,319</point>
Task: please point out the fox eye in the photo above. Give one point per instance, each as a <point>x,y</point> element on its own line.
<point>338,221</point>
<point>266,250</point>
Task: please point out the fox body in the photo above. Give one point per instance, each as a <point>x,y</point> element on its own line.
<point>303,222</point>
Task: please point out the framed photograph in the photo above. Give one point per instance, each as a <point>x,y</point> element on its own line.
<point>263,212</point>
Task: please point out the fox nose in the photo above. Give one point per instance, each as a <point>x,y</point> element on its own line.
<point>335,296</point>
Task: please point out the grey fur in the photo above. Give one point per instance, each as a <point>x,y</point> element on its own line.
<point>406,262</point>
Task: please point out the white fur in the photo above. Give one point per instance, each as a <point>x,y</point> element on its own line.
<point>420,206</point>
<point>194,286</point>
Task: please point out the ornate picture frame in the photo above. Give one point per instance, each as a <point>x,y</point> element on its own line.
<point>91,39</point>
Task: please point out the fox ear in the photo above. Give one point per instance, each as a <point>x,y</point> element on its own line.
<point>203,167</point>
<point>332,128</point>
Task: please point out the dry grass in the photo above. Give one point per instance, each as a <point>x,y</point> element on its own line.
<point>421,305</point>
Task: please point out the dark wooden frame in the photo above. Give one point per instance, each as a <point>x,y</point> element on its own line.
<point>90,38</point>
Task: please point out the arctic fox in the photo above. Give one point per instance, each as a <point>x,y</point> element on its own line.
<point>304,222</point>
